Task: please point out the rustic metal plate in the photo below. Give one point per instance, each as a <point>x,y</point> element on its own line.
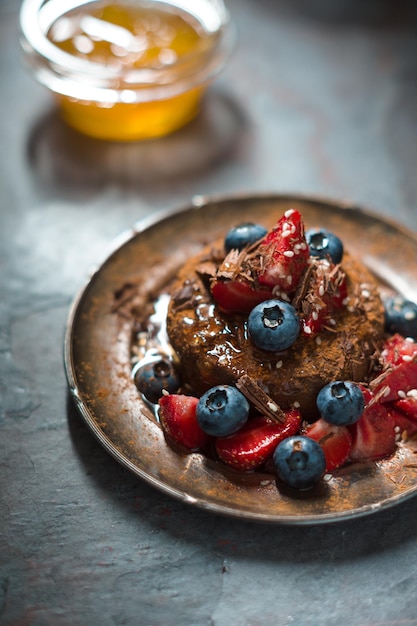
<point>97,359</point>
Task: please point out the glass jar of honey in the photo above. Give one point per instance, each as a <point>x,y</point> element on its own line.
<point>126,70</point>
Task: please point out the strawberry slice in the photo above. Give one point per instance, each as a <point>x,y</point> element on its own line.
<point>255,442</point>
<point>285,253</point>
<point>336,442</point>
<point>396,383</point>
<point>405,425</point>
<point>408,406</point>
<point>373,435</point>
<point>404,414</point>
<point>398,349</point>
<point>237,296</point>
<point>177,414</point>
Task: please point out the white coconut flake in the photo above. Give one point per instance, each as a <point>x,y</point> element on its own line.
<point>272,407</point>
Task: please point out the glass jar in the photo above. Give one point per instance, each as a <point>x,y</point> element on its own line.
<point>126,69</point>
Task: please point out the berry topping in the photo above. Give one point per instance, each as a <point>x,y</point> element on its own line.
<point>324,245</point>
<point>404,414</point>
<point>373,435</point>
<point>273,325</point>
<point>336,442</point>
<point>341,402</point>
<point>222,410</point>
<point>285,253</point>
<point>397,382</point>
<point>154,377</point>
<point>238,296</point>
<point>326,293</point>
<point>241,236</point>
<point>256,441</point>
<point>398,350</point>
<point>270,267</point>
<point>401,316</point>
<point>178,419</point>
<point>299,462</point>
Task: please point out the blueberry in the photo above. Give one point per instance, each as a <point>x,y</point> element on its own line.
<point>299,462</point>
<point>324,244</point>
<point>154,377</point>
<point>341,402</point>
<point>222,410</point>
<point>401,316</point>
<point>273,325</point>
<point>240,236</point>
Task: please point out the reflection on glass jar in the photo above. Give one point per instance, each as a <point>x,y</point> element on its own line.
<point>125,69</point>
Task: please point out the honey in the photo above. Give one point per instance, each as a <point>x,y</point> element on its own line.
<point>127,69</point>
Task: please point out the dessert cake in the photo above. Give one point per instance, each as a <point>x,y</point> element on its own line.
<point>283,336</point>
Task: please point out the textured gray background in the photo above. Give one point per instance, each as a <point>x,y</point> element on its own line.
<point>320,97</point>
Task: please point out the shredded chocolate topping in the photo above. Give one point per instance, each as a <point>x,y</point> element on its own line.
<point>303,287</point>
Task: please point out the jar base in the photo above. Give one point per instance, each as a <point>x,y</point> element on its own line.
<point>131,122</point>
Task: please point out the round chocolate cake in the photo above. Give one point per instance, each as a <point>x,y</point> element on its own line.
<point>214,346</point>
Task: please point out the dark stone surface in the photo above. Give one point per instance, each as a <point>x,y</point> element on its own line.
<point>318,98</point>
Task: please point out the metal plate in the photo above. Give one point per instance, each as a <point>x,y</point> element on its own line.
<point>97,359</point>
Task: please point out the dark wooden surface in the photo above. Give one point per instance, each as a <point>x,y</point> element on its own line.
<point>319,98</point>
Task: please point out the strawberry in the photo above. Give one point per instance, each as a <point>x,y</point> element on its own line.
<point>255,442</point>
<point>397,382</point>
<point>285,253</point>
<point>407,406</point>
<point>178,419</point>
<point>398,349</point>
<point>326,294</point>
<point>405,425</point>
<point>404,414</point>
<point>336,442</point>
<point>238,295</point>
<point>373,435</point>
<point>271,268</point>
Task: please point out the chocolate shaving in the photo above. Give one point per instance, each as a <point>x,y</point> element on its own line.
<point>260,400</point>
<point>207,269</point>
<point>231,266</point>
<point>184,294</point>
<point>303,287</point>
